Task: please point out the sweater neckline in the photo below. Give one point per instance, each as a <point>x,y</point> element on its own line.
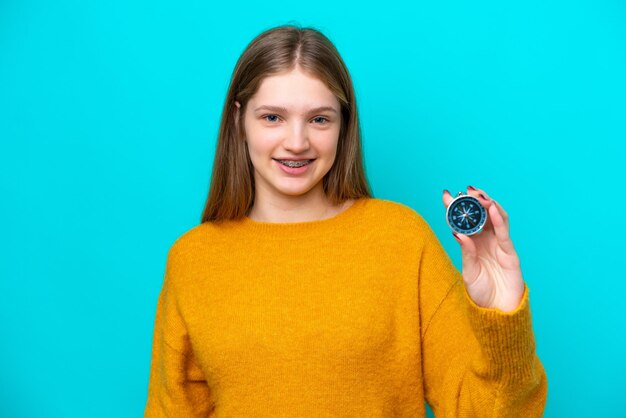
<point>282,229</point>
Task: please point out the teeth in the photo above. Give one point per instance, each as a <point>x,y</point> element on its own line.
<point>294,164</point>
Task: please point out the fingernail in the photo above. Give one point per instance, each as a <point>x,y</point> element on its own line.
<point>445,190</point>
<point>471,187</point>
<point>456,236</point>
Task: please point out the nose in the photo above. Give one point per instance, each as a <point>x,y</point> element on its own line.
<point>297,140</point>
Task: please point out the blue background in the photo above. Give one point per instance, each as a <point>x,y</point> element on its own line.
<point>108,120</point>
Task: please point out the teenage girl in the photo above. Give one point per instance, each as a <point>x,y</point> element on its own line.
<point>301,295</point>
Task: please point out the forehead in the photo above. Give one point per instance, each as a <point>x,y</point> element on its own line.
<point>294,90</point>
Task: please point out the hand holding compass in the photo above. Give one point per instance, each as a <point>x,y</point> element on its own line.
<point>491,267</point>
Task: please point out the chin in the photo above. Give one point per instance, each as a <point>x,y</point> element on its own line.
<point>298,191</point>
<point>294,187</point>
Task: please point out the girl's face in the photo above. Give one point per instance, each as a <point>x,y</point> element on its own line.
<point>291,117</point>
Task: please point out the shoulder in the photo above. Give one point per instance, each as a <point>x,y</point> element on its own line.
<point>397,212</point>
<point>402,222</point>
<point>193,242</point>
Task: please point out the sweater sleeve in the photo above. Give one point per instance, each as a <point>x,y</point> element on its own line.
<point>176,387</point>
<point>477,362</point>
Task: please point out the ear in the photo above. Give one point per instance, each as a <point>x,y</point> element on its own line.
<point>237,114</point>
<point>237,111</point>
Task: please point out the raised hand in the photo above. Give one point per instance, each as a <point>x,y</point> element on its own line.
<point>491,267</point>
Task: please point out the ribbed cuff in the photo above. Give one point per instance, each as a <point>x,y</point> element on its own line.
<point>506,339</point>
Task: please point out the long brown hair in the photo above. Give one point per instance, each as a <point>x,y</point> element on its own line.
<point>274,51</point>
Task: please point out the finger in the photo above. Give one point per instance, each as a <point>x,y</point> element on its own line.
<point>469,256</point>
<point>480,194</point>
<point>447,198</point>
<point>503,213</point>
<point>501,228</point>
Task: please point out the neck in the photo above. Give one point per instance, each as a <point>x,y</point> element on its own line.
<point>294,209</point>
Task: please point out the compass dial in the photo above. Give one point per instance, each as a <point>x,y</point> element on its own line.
<point>466,215</point>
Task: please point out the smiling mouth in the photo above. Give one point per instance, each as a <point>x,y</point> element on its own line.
<point>294,163</point>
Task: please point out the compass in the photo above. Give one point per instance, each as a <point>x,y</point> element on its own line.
<point>466,215</point>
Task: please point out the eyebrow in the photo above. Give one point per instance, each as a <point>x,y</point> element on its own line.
<point>284,110</point>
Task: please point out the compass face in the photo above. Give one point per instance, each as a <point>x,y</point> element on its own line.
<point>466,215</point>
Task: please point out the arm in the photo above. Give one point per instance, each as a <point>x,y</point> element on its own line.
<point>176,387</point>
<point>477,362</point>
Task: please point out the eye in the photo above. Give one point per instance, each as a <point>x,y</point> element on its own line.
<point>321,117</point>
<point>270,116</point>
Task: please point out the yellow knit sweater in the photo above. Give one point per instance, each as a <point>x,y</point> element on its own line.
<point>359,315</point>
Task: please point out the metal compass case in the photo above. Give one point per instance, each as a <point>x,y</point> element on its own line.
<point>466,215</point>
